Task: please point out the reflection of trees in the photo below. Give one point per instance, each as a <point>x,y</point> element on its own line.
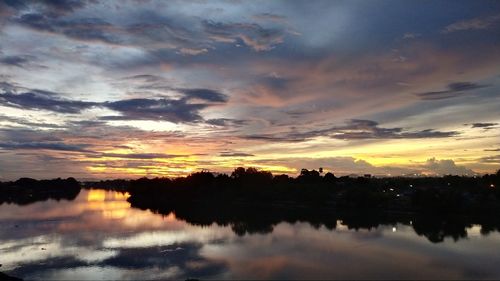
<point>26,191</point>
<point>436,229</point>
<point>253,201</point>
<point>252,220</point>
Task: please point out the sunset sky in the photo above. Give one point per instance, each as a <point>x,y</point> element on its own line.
<point>97,89</point>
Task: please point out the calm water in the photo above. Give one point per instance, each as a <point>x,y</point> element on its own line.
<point>99,236</point>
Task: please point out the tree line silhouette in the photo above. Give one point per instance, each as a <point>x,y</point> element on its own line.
<point>253,201</point>
<point>447,194</point>
<point>26,190</point>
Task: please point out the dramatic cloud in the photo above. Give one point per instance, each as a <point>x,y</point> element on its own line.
<point>28,123</point>
<point>182,256</point>
<point>235,154</point>
<point>473,24</point>
<point>270,17</point>
<point>495,159</point>
<point>43,100</point>
<point>485,126</point>
<point>446,167</point>
<point>204,94</point>
<point>55,8</point>
<point>159,109</point>
<point>44,145</point>
<point>88,29</point>
<point>145,77</point>
<point>140,155</point>
<point>253,35</point>
<point>454,90</point>
<point>227,122</point>
<point>173,110</point>
<point>229,83</point>
<point>19,61</point>
<point>355,130</point>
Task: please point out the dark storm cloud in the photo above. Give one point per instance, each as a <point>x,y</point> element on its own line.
<point>355,130</point>
<point>44,145</point>
<point>37,99</point>
<point>173,110</point>
<point>155,109</point>
<point>454,89</point>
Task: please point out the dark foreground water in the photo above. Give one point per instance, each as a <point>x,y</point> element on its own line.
<point>99,236</point>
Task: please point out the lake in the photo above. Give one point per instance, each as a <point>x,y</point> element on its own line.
<point>100,236</point>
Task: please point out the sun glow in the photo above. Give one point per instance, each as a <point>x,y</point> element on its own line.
<point>112,205</point>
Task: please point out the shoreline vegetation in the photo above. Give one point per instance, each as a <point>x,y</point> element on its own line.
<point>253,201</point>
<point>25,191</point>
<point>312,190</point>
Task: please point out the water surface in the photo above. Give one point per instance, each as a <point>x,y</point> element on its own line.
<point>100,236</point>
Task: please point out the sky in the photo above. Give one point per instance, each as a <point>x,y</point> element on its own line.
<point>124,89</point>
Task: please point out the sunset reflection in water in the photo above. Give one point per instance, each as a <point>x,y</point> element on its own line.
<point>99,236</point>
<point>113,207</point>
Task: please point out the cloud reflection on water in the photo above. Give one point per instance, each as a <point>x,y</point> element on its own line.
<point>98,235</point>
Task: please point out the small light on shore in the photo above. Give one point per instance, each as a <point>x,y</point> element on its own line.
<point>394,229</point>
<point>492,185</point>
